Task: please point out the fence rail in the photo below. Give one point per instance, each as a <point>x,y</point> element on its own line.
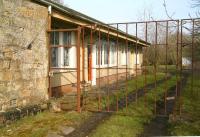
<point>125,62</point>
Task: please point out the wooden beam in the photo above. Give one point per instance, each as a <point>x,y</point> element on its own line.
<point>85,24</point>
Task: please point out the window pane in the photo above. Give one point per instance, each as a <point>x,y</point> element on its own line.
<point>54,40</point>
<point>67,38</point>
<point>66,56</point>
<point>101,54</point>
<point>112,53</point>
<point>67,42</point>
<point>123,55</point>
<point>54,57</point>
<point>106,53</point>
<point>97,54</point>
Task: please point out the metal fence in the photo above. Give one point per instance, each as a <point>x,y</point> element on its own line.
<point>133,60</point>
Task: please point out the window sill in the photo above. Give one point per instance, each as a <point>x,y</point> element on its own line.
<point>62,69</point>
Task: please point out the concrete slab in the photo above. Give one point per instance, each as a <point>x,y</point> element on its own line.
<point>65,130</point>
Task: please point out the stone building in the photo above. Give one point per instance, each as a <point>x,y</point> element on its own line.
<point>30,67</point>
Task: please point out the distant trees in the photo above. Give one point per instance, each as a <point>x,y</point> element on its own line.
<point>159,53</point>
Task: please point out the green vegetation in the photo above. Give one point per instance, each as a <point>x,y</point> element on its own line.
<point>189,124</point>
<point>131,87</point>
<point>39,125</point>
<point>138,114</point>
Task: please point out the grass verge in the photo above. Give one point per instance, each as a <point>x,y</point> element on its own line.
<point>41,124</point>
<point>138,114</point>
<point>131,87</point>
<point>189,123</point>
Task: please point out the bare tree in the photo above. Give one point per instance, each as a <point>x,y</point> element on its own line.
<point>196,4</point>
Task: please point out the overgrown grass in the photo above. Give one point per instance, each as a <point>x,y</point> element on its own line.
<point>189,124</point>
<point>131,87</point>
<point>139,113</point>
<point>41,124</point>
<point>161,68</point>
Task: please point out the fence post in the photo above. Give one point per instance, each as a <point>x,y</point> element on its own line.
<point>78,70</point>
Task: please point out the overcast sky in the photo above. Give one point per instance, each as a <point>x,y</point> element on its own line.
<point>110,11</point>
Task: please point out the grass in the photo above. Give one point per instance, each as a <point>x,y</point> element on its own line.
<point>41,124</point>
<point>189,124</point>
<point>161,68</point>
<point>133,124</point>
<point>131,87</point>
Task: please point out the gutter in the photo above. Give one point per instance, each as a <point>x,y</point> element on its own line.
<point>61,8</point>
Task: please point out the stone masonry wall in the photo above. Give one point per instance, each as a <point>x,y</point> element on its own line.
<point>23,53</point>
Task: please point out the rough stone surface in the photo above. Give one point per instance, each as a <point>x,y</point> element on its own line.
<point>23,70</point>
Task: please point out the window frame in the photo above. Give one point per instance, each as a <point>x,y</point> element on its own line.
<point>60,51</point>
<point>104,54</point>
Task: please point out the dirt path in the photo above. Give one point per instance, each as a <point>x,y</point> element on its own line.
<point>91,124</point>
<point>159,125</point>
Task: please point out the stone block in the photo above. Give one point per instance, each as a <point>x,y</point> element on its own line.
<point>18,85</point>
<point>1,5</point>
<point>25,93</point>
<point>17,75</point>
<point>41,83</point>
<point>14,65</point>
<point>7,76</point>
<point>66,130</point>
<point>6,64</point>
<point>1,54</point>
<point>1,76</point>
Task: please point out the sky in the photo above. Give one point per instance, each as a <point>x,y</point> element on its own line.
<point>114,11</point>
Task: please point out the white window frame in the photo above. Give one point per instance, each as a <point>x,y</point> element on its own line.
<point>123,55</point>
<point>137,57</point>
<point>71,52</point>
<point>54,43</point>
<point>102,54</point>
<point>113,54</point>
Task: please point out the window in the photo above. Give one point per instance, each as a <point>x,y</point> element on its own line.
<point>97,54</point>
<point>60,55</point>
<point>54,57</point>
<point>123,55</point>
<point>101,55</point>
<point>66,42</point>
<point>66,56</point>
<point>67,38</point>
<point>113,53</point>
<point>137,58</point>
<point>105,49</point>
<point>54,40</point>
